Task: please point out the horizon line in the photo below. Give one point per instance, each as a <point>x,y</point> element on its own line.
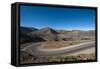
<point>59,28</point>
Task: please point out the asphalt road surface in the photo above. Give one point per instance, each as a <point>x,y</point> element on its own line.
<point>35,49</point>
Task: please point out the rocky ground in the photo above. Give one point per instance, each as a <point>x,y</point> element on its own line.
<point>27,58</point>
<point>51,39</point>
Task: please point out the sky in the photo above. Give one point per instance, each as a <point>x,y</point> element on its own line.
<point>57,18</point>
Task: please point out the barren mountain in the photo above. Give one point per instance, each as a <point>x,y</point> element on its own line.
<point>27,29</point>
<point>47,33</point>
<point>76,34</point>
<point>26,37</point>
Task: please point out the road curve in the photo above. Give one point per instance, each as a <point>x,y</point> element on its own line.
<point>35,49</point>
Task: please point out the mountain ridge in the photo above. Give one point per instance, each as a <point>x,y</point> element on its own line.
<point>49,34</point>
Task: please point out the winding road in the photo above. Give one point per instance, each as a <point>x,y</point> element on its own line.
<point>37,50</point>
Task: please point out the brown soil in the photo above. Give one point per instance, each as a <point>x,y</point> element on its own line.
<point>59,44</point>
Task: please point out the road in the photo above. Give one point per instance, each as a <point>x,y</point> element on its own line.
<point>35,49</point>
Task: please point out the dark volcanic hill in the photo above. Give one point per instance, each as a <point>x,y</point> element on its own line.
<point>27,29</point>
<point>26,37</point>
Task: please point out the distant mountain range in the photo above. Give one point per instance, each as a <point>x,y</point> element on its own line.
<point>27,29</point>
<point>30,34</point>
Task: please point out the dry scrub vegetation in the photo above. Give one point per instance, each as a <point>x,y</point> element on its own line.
<point>41,59</point>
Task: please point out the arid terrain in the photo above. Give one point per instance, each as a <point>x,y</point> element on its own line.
<point>50,45</point>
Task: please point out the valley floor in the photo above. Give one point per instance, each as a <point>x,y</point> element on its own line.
<point>27,50</point>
